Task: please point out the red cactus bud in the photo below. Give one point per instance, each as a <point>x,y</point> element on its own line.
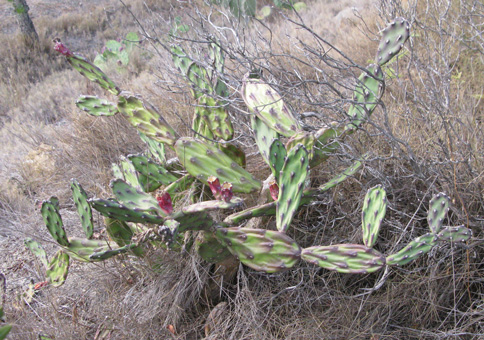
<point>274,190</point>
<point>164,201</point>
<point>226,192</point>
<point>40,285</point>
<point>61,48</point>
<point>215,186</point>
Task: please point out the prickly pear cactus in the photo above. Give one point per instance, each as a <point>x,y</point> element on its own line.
<point>148,206</point>
<point>374,210</point>
<point>393,39</point>
<point>260,249</point>
<point>291,184</point>
<point>58,269</point>
<point>345,258</point>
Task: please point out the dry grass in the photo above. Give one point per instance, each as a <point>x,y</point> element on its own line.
<point>426,138</point>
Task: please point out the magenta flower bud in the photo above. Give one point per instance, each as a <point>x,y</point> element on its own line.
<point>215,186</point>
<point>61,48</point>
<point>226,192</point>
<point>274,190</point>
<point>164,201</point>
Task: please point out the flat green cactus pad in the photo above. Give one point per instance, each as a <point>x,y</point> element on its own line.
<point>345,258</point>
<point>269,106</point>
<point>263,250</point>
<point>203,160</point>
<point>58,269</point>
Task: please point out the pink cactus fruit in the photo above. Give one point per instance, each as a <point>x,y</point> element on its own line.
<point>61,48</point>
<point>164,201</point>
<point>274,190</point>
<point>227,192</point>
<point>215,186</point>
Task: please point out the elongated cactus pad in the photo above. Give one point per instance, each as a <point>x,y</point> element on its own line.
<point>199,125</point>
<point>350,171</point>
<point>93,73</point>
<point>210,249</point>
<point>203,160</point>
<point>260,249</point>
<point>454,234</point>
<point>418,247</point>
<point>268,209</point>
<point>326,143</point>
<point>195,217</point>
<point>291,185</point>
<point>366,95</point>
<point>146,119</point>
<point>83,208</point>
<point>117,172</point>
<point>129,174</point>
<point>277,157</point>
<point>268,105</point>
<point>234,152</point>
<point>345,258</point>
<point>53,221</point>
<point>393,38</point>
<point>213,205</point>
<point>4,330</point>
<point>135,199</point>
<point>118,231</point>
<point>118,211</point>
<point>438,209</point>
<point>106,254</point>
<point>194,220</point>
<point>198,77</point>
<point>80,248</point>
<point>264,136</point>
<point>58,269</point>
<point>156,149</point>
<point>180,59</point>
<point>217,56</point>
<point>37,250</point>
<point>307,139</point>
<point>153,172</point>
<point>181,184</point>
<point>96,106</point>
<point>374,210</point>
<point>215,117</point>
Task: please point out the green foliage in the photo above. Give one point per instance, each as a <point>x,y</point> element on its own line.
<point>5,329</point>
<point>117,52</point>
<point>58,268</point>
<point>37,250</point>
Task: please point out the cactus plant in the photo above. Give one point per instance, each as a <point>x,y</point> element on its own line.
<point>5,329</point>
<point>146,118</point>
<point>374,209</point>
<point>269,106</point>
<point>393,39</point>
<point>58,268</point>
<point>135,216</point>
<point>260,249</point>
<point>291,184</point>
<point>95,106</point>
<point>53,221</point>
<point>83,208</point>
<point>203,160</point>
<point>345,258</point>
<point>37,250</point>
